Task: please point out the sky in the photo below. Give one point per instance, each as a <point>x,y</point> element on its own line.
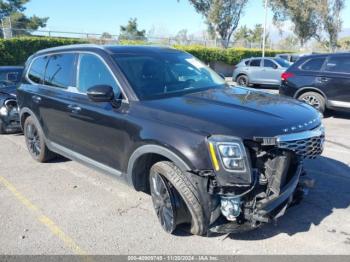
<point>166,16</point>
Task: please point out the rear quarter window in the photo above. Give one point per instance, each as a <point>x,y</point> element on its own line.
<point>37,70</point>
<point>313,64</point>
<point>340,64</point>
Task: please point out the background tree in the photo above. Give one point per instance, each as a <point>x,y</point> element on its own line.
<point>290,42</point>
<point>329,11</point>
<point>251,36</point>
<point>131,32</point>
<point>182,37</point>
<point>304,14</point>
<point>222,16</point>
<point>13,9</point>
<point>106,35</point>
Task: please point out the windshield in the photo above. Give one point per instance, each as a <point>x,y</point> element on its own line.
<point>282,62</point>
<point>166,74</point>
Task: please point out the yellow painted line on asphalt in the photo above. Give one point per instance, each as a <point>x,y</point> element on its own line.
<point>68,241</point>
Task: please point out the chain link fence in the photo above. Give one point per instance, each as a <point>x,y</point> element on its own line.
<point>105,38</point>
<point>7,32</point>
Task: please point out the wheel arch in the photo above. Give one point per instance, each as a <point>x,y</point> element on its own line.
<point>24,114</point>
<point>241,74</point>
<point>311,89</point>
<point>143,158</point>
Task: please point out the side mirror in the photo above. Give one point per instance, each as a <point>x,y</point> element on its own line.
<point>101,93</point>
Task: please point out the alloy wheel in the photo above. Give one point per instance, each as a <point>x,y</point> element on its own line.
<point>33,140</point>
<point>312,100</point>
<point>242,81</point>
<point>163,202</point>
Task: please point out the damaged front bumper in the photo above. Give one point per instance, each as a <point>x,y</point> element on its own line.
<point>264,211</point>
<point>278,182</point>
<point>9,116</point>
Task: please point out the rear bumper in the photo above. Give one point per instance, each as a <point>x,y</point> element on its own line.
<point>286,90</point>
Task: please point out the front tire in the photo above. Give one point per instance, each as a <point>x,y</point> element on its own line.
<point>314,99</point>
<point>169,188</point>
<point>35,141</point>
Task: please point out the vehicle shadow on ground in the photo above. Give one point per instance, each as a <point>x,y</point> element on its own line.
<point>337,114</point>
<point>331,191</point>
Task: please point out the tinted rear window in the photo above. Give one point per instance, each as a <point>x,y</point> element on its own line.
<point>255,62</point>
<point>60,70</point>
<point>340,64</point>
<point>37,70</point>
<point>314,64</point>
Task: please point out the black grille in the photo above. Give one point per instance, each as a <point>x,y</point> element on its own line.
<point>305,148</point>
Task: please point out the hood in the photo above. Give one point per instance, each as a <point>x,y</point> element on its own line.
<point>235,111</point>
<point>9,90</point>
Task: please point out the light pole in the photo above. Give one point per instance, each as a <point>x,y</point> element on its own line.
<point>264,33</point>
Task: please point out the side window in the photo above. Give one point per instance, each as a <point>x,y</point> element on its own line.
<point>314,64</point>
<point>60,70</point>
<point>37,70</point>
<point>247,62</point>
<point>269,64</point>
<point>255,62</point>
<point>339,64</point>
<point>92,72</point>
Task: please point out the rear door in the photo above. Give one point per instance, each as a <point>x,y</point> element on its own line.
<point>53,99</point>
<point>255,71</point>
<point>335,80</point>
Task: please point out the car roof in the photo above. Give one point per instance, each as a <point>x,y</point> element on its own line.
<point>111,49</point>
<point>260,57</point>
<point>325,55</point>
<point>9,68</point>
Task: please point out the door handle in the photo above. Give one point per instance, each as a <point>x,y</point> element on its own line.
<point>74,108</point>
<point>36,99</point>
<point>323,79</point>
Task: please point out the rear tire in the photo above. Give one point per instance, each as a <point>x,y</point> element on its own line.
<point>178,185</point>
<point>314,99</point>
<point>242,80</point>
<point>35,141</point>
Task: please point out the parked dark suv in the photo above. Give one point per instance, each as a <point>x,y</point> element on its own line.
<point>214,157</point>
<point>322,81</point>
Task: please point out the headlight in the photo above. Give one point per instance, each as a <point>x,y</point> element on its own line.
<point>230,160</point>
<point>232,156</point>
<point>3,111</point>
<point>229,152</point>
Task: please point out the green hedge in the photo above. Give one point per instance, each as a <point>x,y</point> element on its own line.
<point>229,56</point>
<point>15,51</point>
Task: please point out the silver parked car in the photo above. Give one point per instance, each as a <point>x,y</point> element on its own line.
<point>260,71</point>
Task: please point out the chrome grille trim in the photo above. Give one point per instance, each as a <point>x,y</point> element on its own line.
<point>307,144</point>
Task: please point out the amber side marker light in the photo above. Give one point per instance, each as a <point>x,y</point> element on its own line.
<point>213,157</point>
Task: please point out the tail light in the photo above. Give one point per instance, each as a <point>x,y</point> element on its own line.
<point>286,75</point>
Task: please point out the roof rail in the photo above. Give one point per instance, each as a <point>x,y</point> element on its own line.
<point>64,47</point>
